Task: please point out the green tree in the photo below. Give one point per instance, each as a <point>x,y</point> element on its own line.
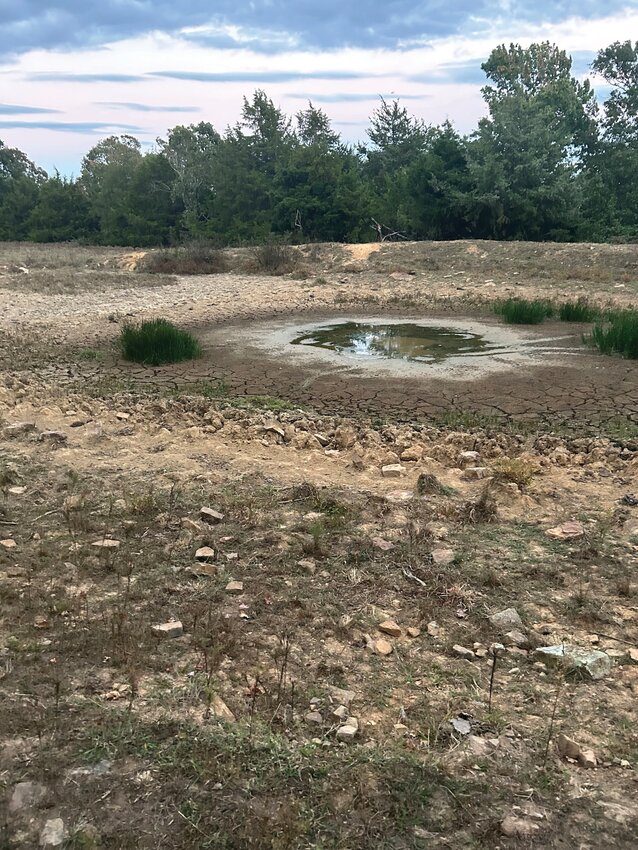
<point>525,156</point>
<point>190,153</point>
<point>107,175</point>
<point>62,212</point>
<point>398,139</point>
<point>318,188</point>
<point>20,181</point>
<point>611,191</point>
<point>246,162</point>
<point>438,187</point>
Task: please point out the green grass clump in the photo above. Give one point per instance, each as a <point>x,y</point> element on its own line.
<point>521,311</point>
<point>578,311</point>
<point>157,342</point>
<point>617,336</point>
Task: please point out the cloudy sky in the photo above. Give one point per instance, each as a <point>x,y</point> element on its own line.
<point>74,71</point>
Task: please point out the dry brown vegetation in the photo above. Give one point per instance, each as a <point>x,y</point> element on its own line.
<point>227,734</point>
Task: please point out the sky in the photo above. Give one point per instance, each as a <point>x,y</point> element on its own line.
<point>75,71</point>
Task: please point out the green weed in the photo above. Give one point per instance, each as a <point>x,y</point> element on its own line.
<point>521,311</point>
<point>156,342</point>
<point>617,336</point>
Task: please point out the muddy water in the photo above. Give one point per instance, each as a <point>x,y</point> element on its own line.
<point>405,340</point>
<point>456,349</point>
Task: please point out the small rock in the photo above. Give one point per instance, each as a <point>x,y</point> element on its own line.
<point>443,557</point>
<point>205,553</point>
<point>53,833</point>
<point>234,587</point>
<point>466,458</point>
<point>172,629</point>
<point>53,437</point>
<point>275,428</point>
<point>106,543</point>
<point>480,650</point>
<point>463,652</point>
<point>345,437</point>
<point>461,725</point>
<point>203,568</point>
<point>433,629</point>
<point>571,750</point>
<point>26,795</point>
<point>191,525</point>
<point>342,695</point>
<point>591,662</point>
<point>122,416</point>
<point>383,647</point>
<point>587,759</point>
<point>566,531</point>
<point>413,631</point>
<point>632,652</point>
<point>211,516</point>
<point>220,709</point>
<point>17,491</point>
<point>314,718</point>
<point>412,454</point>
<point>382,544</point>
<point>392,470</point>
<point>340,713</point>
<point>8,543</point>
<point>16,429</point>
<point>475,473</point>
<point>389,627</point>
<point>398,496</point>
<point>478,746</point>
<point>349,730</point>
<point>515,827</point>
<point>507,619</point>
<point>516,638</point>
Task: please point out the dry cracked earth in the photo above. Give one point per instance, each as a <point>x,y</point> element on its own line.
<point>248,602</point>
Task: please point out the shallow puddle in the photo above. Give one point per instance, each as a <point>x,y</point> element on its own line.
<point>405,340</point>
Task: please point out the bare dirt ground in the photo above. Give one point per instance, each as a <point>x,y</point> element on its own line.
<point>285,711</point>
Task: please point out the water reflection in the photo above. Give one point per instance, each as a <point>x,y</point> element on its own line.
<point>408,341</point>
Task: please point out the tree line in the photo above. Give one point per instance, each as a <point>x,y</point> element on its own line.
<point>548,162</point>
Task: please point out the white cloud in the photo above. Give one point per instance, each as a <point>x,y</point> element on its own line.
<point>220,102</point>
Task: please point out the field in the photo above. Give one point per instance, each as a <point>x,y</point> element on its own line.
<point>324,553</point>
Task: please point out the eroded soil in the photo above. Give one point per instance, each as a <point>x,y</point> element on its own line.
<point>228,734</point>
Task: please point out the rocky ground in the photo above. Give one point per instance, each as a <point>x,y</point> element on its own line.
<point>230,621</point>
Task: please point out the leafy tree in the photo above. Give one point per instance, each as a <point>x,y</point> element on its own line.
<point>611,192</point>
<point>525,156</point>
<point>319,185</point>
<point>20,180</point>
<point>61,213</point>
<point>398,139</point>
<point>107,174</point>
<point>190,153</point>
<point>438,187</point>
<point>247,160</point>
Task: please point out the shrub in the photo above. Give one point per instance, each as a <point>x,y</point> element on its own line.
<point>618,336</point>
<point>156,342</point>
<point>194,258</point>
<point>517,470</point>
<point>520,311</point>
<point>578,311</point>
<point>273,259</point>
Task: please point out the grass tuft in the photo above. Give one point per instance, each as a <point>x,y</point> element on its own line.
<point>521,311</point>
<point>618,336</point>
<point>157,342</point>
<point>578,311</point>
